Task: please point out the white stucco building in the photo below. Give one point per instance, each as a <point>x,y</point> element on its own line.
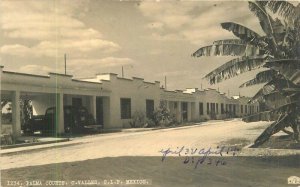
<point>112,100</point>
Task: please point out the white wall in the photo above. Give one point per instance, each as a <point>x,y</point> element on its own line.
<point>135,89</point>
<point>41,102</point>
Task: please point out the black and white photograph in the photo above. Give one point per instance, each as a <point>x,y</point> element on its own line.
<point>150,93</point>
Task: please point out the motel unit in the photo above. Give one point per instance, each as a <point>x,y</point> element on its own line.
<point>111,99</point>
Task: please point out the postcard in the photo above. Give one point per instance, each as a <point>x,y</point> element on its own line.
<point>150,93</point>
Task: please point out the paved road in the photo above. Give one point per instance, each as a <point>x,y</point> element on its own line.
<point>147,143</point>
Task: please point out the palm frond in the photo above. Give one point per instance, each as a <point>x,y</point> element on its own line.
<point>228,47</point>
<point>261,77</point>
<point>273,29</point>
<point>262,15</point>
<point>284,9</point>
<point>278,83</point>
<point>263,116</point>
<point>291,90</point>
<point>244,33</point>
<point>277,100</point>
<point>266,89</point>
<point>235,67</point>
<point>289,68</point>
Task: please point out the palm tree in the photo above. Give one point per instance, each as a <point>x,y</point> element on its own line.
<point>278,50</point>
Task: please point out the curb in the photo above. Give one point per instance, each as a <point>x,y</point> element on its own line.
<point>33,144</point>
<point>35,148</point>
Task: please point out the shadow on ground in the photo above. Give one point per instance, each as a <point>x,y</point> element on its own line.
<point>280,142</point>
<point>236,171</point>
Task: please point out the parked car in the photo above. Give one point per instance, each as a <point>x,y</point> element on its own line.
<point>75,119</point>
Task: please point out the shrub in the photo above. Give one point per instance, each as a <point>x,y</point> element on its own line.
<point>138,119</point>
<point>163,117</point>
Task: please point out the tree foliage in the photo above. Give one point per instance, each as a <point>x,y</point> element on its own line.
<point>278,50</point>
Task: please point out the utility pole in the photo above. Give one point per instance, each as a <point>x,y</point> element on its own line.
<point>122,72</point>
<point>65,64</point>
<point>165,82</point>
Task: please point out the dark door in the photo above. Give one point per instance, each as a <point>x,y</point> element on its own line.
<point>99,111</point>
<point>76,102</point>
<point>184,109</point>
<point>234,111</point>
<point>149,108</point>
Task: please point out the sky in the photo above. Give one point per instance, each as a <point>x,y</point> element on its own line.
<point>150,39</point>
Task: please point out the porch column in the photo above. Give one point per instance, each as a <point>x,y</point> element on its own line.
<point>60,126</point>
<point>16,114</point>
<point>195,111</point>
<point>93,105</point>
<point>178,111</point>
<point>189,111</point>
<point>107,113</point>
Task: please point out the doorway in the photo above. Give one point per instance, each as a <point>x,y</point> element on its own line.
<point>99,111</point>
<point>184,108</point>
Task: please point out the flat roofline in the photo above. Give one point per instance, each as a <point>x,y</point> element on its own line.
<point>86,78</point>
<point>48,77</point>
<point>138,78</point>
<point>170,91</point>
<point>60,74</point>
<point>106,74</point>
<point>148,82</point>
<point>76,80</point>
<point>26,74</point>
<point>123,78</point>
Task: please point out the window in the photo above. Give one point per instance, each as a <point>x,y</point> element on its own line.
<point>241,109</point>
<point>149,108</point>
<point>217,107</point>
<point>201,109</point>
<point>207,108</point>
<point>246,109</point>
<point>125,108</point>
<point>227,108</point>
